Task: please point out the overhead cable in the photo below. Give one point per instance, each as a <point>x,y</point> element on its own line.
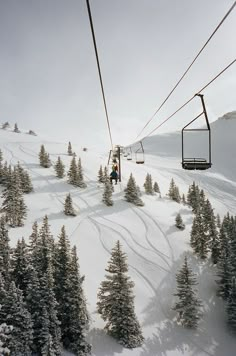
<point>182,77</point>
<point>188,101</point>
<point>99,70</point>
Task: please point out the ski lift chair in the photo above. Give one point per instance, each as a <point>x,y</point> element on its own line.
<point>197,163</point>
<point>139,154</point>
<point>129,155</point>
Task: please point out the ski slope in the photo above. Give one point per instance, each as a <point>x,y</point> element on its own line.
<point>155,247</point>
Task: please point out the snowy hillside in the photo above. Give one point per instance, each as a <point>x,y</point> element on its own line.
<point>155,247</point>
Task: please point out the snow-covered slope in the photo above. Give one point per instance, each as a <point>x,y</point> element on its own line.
<point>154,246</point>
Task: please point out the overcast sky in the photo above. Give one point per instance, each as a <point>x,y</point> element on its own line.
<point>48,74</point>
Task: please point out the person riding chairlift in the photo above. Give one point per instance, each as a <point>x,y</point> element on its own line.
<point>114,175</point>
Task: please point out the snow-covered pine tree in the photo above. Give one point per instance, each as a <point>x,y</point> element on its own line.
<point>19,264</point>
<point>73,172</point>
<point>224,269</point>
<point>59,168</point>
<point>183,199</point>
<point>5,333</point>
<point>19,318</point>
<point>5,125</point>
<point>26,184</point>
<point>179,222</point>
<point>188,305</point>
<point>1,167</point>
<point>44,158</point>
<point>62,284</point>
<point>69,150</point>
<point>107,194</point>
<point>79,322</point>
<point>68,206</point>
<point>3,297</point>
<point>105,174</point>
<point>4,179</point>
<point>231,305</point>
<point>148,186</point>
<point>199,241</point>
<point>131,192</point>
<point>218,221</point>
<point>16,128</point>
<point>193,197</point>
<point>13,202</point>
<point>156,188</point>
<point>5,263</point>
<point>52,340</point>
<point>116,301</point>
<point>174,192</point>
<point>80,178</point>
<point>46,246</point>
<point>100,175</point>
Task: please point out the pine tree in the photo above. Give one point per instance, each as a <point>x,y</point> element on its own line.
<point>59,168</point>
<point>73,172</point>
<point>3,297</point>
<point>199,240</point>
<point>69,150</point>
<point>107,194</point>
<point>184,200</point>
<point>4,251</point>
<point>193,197</point>
<point>46,247</point>
<point>13,204</point>
<point>174,192</point>
<point>224,270</point>
<point>34,246</point>
<point>231,305</point>
<point>68,206</point>
<point>4,179</point>
<point>116,302</point>
<point>79,322</point>
<point>16,128</point>
<point>1,166</point>
<point>218,221</point>
<point>148,185</point>
<point>19,264</point>
<point>44,158</point>
<point>5,125</point>
<point>80,179</point>
<point>179,222</point>
<point>26,183</point>
<point>131,192</point>
<point>188,304</point>
<point>156,188</point>
<point>5,332</point>
<point>100,175</point>
<point>105,174</point>
<point>19,318</point>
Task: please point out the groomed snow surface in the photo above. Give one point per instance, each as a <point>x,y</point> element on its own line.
<point>155,247</point>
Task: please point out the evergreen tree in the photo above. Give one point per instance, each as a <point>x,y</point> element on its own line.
<point>179,222</point>
<point>148,185</point>
<point>79,319</point>
<point>3,297</point>
<point>184,200</point>
<point>5,332</point>
<point>231,305</point>
<point>69,150</point>
<point>34,245</point>
<point>188,304</point>
<point>199,240</point>
<point>45,248</point>
<point>100,175</point>
<point>156,188</point>
<point>131,192</point>
<point>19,263</point>
<point>116,302</point>
<point>5,125</point>
<point>13,202</point>
<point>193,197</point>
<point>5,175</point>
<point>68,206</point>
<point>44,158</point>
<point>107,194</point>
<point>174,192</point>
<point>80,179</point>
<point>218,221</point>
<point>105,174</point>
<point>73,172</point>
<point>1,166</point>
<point>16,128</point>
<point>19,318</point>
<point>4,251</point>
<point>224,271</point>
<point>59,168</point>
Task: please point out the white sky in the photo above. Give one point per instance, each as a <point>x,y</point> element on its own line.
<point>48,74</point>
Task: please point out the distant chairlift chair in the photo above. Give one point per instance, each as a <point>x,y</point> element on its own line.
<point>129,155</point>
<point>139,154</point>
<point>197,163</point>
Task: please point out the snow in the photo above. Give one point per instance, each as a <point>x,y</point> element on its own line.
<point>155,247</point>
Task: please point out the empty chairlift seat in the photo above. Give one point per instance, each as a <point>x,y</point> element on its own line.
<point>139,154</point>
<point>196,162</point>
